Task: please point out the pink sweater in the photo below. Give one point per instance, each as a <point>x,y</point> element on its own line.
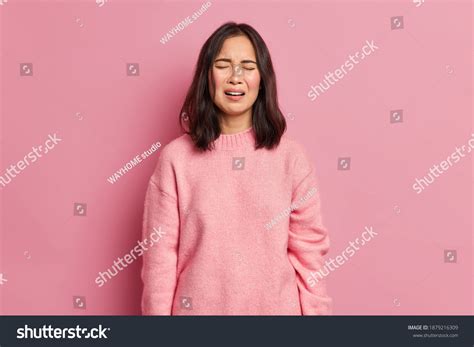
<point>226,242</point>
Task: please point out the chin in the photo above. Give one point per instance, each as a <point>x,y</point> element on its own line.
<point>235,113</point>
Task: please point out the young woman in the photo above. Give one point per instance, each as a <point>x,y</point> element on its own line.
<point>240,232</point>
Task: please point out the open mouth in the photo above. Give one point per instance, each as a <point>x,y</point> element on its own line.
<point>235,93</point>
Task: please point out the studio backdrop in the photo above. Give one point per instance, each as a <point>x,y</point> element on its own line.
<point>378,92</point>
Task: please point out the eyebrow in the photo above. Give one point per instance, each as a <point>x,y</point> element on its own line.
<point>229,61</point>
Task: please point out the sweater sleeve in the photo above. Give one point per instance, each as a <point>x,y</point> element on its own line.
<point>308,239</point>
<point>160,217</point>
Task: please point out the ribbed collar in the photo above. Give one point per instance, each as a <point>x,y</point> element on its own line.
<point>243,139</point>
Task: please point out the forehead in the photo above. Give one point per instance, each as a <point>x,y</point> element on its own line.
<point>237,48</point>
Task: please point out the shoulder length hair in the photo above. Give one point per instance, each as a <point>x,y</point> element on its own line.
<point>201,114</point>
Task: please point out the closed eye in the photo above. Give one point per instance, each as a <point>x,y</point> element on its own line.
<point>228,67</point>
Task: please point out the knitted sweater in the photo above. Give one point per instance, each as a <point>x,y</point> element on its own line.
<point>239,231</point>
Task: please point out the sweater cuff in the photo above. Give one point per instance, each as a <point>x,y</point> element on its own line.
<point>312,305</point>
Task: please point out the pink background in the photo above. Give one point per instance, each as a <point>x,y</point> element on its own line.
<point>80,91</point>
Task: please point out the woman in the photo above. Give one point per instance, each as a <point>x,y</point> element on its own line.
<point>222,194</point>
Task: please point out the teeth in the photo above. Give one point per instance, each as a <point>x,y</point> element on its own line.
<point>234,93</point>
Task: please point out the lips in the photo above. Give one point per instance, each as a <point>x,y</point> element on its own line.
<point>234,92</point>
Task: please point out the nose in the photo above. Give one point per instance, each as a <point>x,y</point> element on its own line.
<point>237,70</point>
<point>235,81</point>
<point>236,74</point>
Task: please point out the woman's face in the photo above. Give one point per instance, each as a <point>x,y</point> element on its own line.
<point>229,77</point>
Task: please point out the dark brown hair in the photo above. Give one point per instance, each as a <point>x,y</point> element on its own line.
<point>201,114</point>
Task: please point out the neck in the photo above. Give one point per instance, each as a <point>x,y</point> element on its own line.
<point>235,124</point>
